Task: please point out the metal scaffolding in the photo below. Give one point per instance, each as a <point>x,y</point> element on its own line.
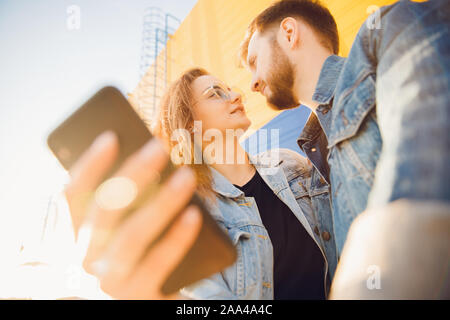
<point>158,26</point>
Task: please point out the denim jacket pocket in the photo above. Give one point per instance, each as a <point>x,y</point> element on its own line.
<point>237,233</point>
<point>248,270</point>
<point>355,139</point>
<point>351,108</point>
<point>299,186</point>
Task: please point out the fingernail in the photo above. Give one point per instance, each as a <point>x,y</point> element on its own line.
<point>191,216</point>
<point>151,148</point>
<point>104,139</point>
<point>178,180</point>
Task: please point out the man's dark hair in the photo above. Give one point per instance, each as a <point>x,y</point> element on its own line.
<point>311,12</point>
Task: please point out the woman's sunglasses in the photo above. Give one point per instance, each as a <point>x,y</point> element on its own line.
<point>217,91</point>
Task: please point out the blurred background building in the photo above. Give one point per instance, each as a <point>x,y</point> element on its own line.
<point>157,27</point>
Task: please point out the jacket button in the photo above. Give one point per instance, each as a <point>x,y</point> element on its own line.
<point>316,230</point>
<point>325,111</point>
<point>326,235</point>
<point>313,149</point>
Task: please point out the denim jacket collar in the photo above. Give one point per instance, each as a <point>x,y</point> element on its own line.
<point>323,94</point>
<point>328,79</point>
<point>222,186</point>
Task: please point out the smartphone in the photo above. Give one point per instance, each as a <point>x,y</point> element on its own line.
<point>108,109</point>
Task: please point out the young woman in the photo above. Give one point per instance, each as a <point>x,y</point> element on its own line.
<point>262,204</point>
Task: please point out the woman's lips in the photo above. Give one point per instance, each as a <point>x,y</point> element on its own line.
<point>238,108</point>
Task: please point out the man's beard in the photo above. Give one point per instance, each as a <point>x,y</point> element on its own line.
<point>281,81</point>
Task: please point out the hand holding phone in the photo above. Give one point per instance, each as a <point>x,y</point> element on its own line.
<point>154,246</point>
<point>116,261</point>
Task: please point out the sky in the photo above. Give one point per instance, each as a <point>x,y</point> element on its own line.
<point>49,66</point>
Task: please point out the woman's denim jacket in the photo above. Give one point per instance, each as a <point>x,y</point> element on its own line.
<point>287,173</point>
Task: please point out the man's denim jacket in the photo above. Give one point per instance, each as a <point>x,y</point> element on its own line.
<point>381,131</point>
<point>287,173</point>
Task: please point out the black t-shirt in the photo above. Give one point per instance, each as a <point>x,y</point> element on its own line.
<point>298,262</point>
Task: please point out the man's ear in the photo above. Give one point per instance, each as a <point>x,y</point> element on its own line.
<point>289,32</point>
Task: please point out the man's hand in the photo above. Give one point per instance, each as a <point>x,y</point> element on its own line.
<point>117,252</point>
<point>398,251</point>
